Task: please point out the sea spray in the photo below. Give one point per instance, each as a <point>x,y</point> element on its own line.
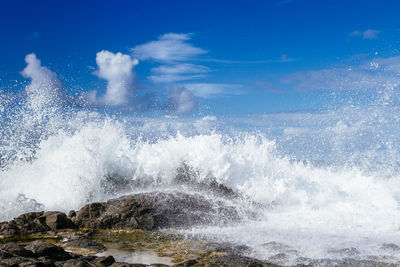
<point>317,181</point>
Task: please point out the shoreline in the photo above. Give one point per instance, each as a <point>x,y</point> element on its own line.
<point>133,230</point>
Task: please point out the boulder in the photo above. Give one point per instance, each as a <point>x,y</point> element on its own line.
<point>154,210</point>
<point>103,261</point>
<point>12,249</point>
<point>35,222</point>
<point>41,248</point>
<point>57,220</point>
<point>83,245</point>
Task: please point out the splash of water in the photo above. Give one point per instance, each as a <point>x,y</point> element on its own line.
<point>324,180</point>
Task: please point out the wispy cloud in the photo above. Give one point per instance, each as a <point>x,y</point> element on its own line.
<point>367,34</point>
<point>180,60</point>
<point>368,75</point>
<point>170,47</point>
<point>284,58</point>
<point>210,90</point>
<point>175,54</point>
<point>177,72</point>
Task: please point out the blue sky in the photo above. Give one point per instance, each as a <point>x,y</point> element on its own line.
<point>217,57</point>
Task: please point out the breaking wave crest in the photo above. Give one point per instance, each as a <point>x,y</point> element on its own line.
<point>324,180</point>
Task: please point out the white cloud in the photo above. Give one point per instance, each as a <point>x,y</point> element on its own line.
<point>180,69</point>
<point>177,72</point>
<point>45,89</point>
<point>170,47</point>
<point>209,90</point>
<point>118,70</point>
<point>370,34</point>
<point>180,100</point>
<point>367,34</point>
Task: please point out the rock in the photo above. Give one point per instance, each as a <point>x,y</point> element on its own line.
<point>224,259</point>
<point>83,246</point>
<point>57,220</point>
<point>74,263</point>
<point>35,222</point>
<point>11,249</point>
<point>18,261</point>
<point>390,247</point>
<point>41,248</point>
<point>71,214</point>
<point>148,211</point>
<point>347,252</point>
<point>123,264</point>
<point>103,261</point>
<point>187,263</point>
<point>189,176</point>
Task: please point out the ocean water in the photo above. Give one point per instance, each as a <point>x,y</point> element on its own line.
<point>319,182</point>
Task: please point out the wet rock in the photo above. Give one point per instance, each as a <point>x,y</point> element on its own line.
<point>154,210</point>
<point>18,261</point>
<point>225,259</point>
<point>103,261</point>
<point>390,247</point>
<point>71,214</point>
<point>187,263</point>
<point>41,248</point>
<point>57,220</point>
<point>35,222</point>
<point>11,249</point>
<point>346,252</point>
<point>279,257</point>
<point>83,246</point>
<point>187,175</point>
<point>73,263</point>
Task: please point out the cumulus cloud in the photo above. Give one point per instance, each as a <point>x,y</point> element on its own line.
<point>169,47</point>
<point>118,70</point>
<point>177,72</point>
<point>367,34</point>
<point>180,100</point>
<point>45,88</point>
<point>210,90</point>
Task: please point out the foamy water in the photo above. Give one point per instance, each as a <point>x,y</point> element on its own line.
<point>318,181</point>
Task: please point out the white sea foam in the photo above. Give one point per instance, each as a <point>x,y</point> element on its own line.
<point>317,181</point>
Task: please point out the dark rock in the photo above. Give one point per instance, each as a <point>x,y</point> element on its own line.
<point>18,261</point>
<point>71,214</point>
<point>41,248</point>
<point>347,252</point>
<point>390,247</point>
<point>103,261</point>
<point>35,222</point>
<point>57,220</point>
<point>150,211</point>
<point>225,259</point>
<point>123,264</point>
<point>44,261</point>
<point>187,175</point>
<point>187,263</point>
<point>13,249</point>
<point>83,243</point>
<point>75,263</point>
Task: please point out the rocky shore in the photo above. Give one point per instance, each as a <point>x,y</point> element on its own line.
<point>54,238</point>
<point>126,232</point>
